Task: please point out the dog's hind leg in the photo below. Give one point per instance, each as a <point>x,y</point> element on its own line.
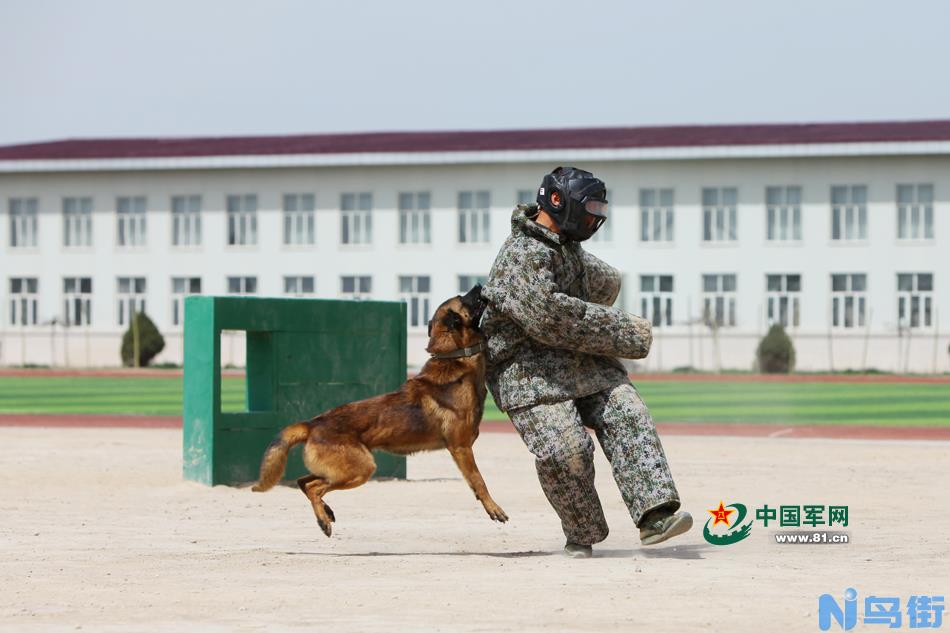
<point>315,488</point>
<point>302,484</point>
<point>344,466</point>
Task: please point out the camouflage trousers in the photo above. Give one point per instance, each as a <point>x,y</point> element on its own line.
<point>564,458</point>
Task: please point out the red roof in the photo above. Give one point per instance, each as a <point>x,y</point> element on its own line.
<point>492,140</point>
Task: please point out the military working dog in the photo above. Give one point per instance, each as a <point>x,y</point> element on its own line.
<point>440,407</point>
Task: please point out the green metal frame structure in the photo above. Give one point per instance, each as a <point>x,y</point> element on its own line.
<point>304,356</point>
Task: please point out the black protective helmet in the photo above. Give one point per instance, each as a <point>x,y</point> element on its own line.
<point>576,200</point>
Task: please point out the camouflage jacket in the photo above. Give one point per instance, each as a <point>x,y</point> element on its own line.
<point>552,333</point>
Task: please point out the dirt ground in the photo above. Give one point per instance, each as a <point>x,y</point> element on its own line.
<point>99,532</point>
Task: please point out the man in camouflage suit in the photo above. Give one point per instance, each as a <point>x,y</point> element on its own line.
<point>553,343</point>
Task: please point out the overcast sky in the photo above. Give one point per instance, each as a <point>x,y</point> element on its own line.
<point>192,67</point>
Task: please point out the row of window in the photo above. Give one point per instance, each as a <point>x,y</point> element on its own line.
<point>849,213</point>
<point>849,304</point>
<point>848,220</point>
<point>299,222</point>
<point>915,301</point>
<point>131,295</point>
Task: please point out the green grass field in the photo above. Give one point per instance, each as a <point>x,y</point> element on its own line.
<point>896,404</point>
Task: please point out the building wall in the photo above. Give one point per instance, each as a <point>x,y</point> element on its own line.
<point>687,341</point>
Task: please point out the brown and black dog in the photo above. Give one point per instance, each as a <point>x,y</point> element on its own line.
<point>440,407</point>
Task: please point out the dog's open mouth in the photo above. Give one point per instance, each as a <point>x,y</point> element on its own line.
<point>479,311</point>
<point>475,304</point>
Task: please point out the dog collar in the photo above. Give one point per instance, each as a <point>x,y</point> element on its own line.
<point>463,352</point>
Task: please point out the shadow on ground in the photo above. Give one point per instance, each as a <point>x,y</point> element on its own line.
<point>399,554</point>
<point>683,552</point>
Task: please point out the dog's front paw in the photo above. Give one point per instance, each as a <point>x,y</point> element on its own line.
<point>497,514</point>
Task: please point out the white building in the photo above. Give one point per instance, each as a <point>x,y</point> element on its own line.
<point>839,231</point>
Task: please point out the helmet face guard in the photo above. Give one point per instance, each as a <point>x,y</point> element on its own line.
<point>576,200</point>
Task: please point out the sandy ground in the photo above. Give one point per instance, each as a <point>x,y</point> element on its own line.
<point>99,532</point>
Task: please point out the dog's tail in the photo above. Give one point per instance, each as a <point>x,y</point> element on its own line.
<point>275,457</point>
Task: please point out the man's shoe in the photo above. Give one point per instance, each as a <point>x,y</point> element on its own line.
<point>667,527</point>
<point>575,550</point>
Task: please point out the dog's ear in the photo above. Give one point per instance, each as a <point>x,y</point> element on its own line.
<point>452,320</point>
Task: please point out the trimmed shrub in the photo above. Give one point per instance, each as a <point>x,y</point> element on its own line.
<point>776,354</point>
<point>151,342</point>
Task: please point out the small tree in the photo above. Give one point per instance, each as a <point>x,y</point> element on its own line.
<point>150,342</point>
<point>776,354</point>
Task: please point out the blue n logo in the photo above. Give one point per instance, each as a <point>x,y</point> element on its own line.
<point>828,607</point>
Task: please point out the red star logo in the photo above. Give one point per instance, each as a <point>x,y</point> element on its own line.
<point>721,515</point>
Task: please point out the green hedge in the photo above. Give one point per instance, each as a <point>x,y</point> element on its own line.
<point>776,354</point>
<point>151,342</point>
